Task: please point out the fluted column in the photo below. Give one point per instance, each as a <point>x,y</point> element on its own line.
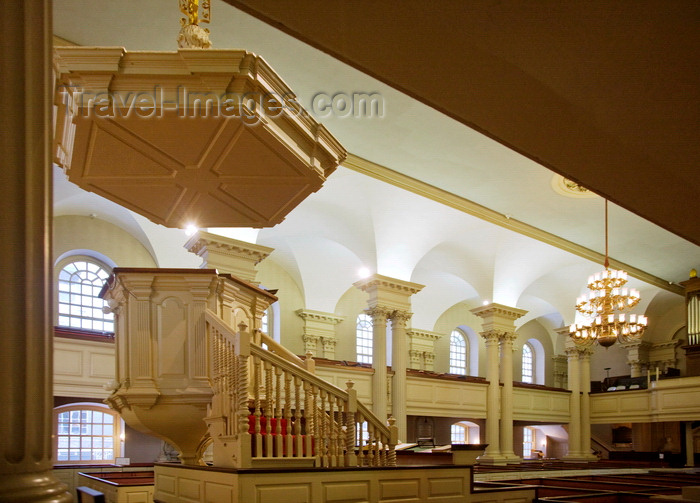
<point>26,361</point>
<point>493,400</point>
<point>399,363</point>
<point>507,397</point>
<point>379,388</point>
<point>574,453</point>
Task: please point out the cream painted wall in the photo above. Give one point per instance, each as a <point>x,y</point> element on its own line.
<point>272,276</point>
<point>77,232</point>
<point>534,330</point>
<point>352,303</point>
<point>457,315</point>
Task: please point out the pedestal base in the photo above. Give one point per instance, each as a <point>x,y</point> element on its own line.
<point>491,459</point>
<point>39,487</point>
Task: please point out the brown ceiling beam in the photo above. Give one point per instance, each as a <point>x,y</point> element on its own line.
<point>603,93</point>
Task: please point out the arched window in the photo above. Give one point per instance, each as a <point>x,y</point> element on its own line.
<point>86,433</point>
<point>79,304</point>
<point>527,363</point>
<point>264,323</point>
<point>458,353</point>
<point>364,338</point>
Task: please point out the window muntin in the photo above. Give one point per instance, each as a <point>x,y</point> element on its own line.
<point>458,353</point>
<point>528,438</point>
<point>264,324</point>
<point>458,433</point>
<point>364,338</point>
<point>86,434</point>
<point>527,363</point>
<point>79,304</point>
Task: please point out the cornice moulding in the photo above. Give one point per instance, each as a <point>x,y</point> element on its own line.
<point>309,314</point>
<point>202,241</point>
<point>424,334</point>
<point>380,282</point>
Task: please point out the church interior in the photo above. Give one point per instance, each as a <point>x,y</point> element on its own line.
<point>456,182</point>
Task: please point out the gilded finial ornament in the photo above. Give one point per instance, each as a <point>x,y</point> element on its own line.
<point>193,36</point>
<point>693,273</point>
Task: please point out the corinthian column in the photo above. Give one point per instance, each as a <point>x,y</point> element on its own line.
<point>507,398</point>
<point>499,322</point>
<point>572,354</point>
<point>379,388</point>
<point>585,364</point>
<point>388,296</point>
<point>25,311</point>
<point>493,400</point>
<point>399,363</point>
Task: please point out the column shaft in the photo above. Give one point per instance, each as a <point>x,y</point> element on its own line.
<point>493,451</point>
<point>574,405</point>
<point>585,363</point>
<point>25,313</point>
<point>506,427</point>
<point>399,363</point>
<point>379,385</point>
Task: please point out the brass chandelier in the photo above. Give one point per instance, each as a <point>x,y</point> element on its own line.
<point>605,306</point>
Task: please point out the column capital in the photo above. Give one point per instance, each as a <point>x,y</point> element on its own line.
<point>400,317</point>
<point>379,313</point>
<point>492,335</point>
<point>389,292</point>
<point>578,351</point>
<point>508,337</point>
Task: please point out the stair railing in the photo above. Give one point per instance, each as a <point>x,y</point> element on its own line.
<point>268,409</point>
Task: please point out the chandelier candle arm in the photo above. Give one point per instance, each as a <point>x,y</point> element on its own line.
<point>604,305</point>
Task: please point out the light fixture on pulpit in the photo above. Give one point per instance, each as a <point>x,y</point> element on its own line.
<point>606,305</point>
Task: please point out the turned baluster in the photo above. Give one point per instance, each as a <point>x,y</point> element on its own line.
<point>298,448</point>
<point>278,412</point>
<point>268,409</point>
<point>256,406</point>
<point>288,452</point>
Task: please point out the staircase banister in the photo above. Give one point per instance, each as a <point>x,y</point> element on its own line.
<point>278,361</point>
<point>370,416</point>
<point>280,350</point>
<point>212,318</point>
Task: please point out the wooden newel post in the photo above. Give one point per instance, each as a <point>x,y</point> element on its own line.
<point>393,440</point>
<point>310,363</point>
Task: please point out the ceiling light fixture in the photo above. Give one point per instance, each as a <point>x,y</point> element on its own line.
<point>605,306</point>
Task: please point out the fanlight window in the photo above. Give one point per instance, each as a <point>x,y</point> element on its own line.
<point>458,353</point>
<point>364,338</point>
<point>86,434</point>
<point>79,304</point>
<point>527,364</point>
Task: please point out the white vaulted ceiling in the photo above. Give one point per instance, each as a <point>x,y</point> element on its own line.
<point>437,203</point>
